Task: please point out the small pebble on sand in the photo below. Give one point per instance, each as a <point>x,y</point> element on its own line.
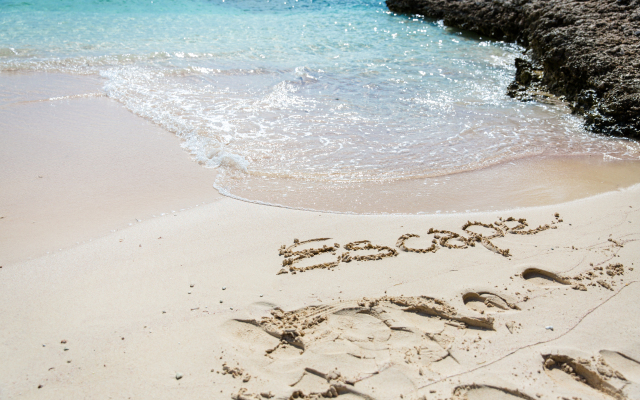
<point>224,288</point>
<point>178,376</point>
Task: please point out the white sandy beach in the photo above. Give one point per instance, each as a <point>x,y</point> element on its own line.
<point>174,307</point>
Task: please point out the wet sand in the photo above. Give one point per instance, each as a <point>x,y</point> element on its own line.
<point>527,182</point>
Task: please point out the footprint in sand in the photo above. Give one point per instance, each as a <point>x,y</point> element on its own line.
<point>593,376</point>
<point>380,346</point>
<point>486,302</point>
<point>607,277</point>
<point>487,392</point>
<point>541,277</point>
<point>627,367</point>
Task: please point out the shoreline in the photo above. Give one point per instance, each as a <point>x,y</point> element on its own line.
<point>585,51</point>
<point>91,190</point>
<point>94,182</point>
<point>520,183</point>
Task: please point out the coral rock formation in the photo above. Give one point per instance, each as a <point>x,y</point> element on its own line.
<point>585,50</point>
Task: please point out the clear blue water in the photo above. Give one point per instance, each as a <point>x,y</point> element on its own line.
<point>333,91</point>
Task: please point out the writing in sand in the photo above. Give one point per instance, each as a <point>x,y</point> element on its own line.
<point>441,238</point>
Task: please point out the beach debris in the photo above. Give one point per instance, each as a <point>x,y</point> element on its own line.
<point>40,386</point>
<point>224,288</point>
<point>220,301</point>
<point>548,327</point>
<point>178,376</point>
<point>192,285</point>
<point>66,349</point>
<point>63,341</point>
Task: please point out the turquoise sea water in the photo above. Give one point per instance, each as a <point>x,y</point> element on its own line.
<point>332,91</point>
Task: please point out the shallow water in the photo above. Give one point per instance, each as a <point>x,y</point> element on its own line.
<point>287,96</point>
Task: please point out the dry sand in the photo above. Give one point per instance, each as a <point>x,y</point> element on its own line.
<point>74,170</point>
<point>195,304</point>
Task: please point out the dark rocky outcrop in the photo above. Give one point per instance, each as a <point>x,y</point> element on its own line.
<point>585,50</point>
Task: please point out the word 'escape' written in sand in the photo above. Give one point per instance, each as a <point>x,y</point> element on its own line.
<point>441,238</point>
